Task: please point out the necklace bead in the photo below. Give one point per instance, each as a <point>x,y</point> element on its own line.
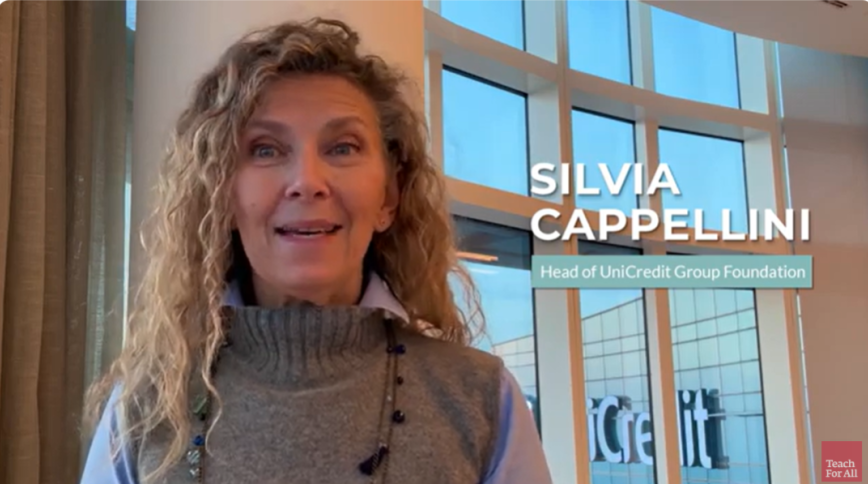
<point>194,456</point>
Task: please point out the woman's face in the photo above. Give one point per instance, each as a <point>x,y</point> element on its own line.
<point>311,188</point>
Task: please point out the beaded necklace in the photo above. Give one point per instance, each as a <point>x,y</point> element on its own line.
<point>376,465</point>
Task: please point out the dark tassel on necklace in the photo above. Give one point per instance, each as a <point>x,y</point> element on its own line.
<point>371,463</point>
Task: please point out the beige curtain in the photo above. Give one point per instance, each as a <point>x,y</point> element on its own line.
<point>62,165</point>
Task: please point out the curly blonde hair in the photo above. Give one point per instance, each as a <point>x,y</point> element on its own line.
<point>176,327</point>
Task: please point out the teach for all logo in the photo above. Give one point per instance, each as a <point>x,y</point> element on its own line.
<point>842,462</point>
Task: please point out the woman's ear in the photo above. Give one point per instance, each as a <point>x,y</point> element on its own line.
<point>390,203</point>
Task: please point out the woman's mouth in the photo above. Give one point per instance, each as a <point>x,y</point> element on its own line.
<point>307,230</point>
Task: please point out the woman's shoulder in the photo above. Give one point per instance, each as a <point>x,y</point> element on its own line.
<point>109,457</point>
<point>429,343</point>
<point>453,364</point>
<point>485,402</point>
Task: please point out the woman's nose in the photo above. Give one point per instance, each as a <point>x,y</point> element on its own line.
<point>308,177</point>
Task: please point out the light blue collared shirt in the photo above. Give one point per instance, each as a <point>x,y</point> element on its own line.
<point>518,456</point>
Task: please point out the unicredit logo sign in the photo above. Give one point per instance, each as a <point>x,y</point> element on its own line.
<point>617,435</point>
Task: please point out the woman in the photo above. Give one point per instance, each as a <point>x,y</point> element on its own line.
<point>295,324</point>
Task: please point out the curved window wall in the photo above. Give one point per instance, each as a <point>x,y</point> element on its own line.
<point>627,386</point>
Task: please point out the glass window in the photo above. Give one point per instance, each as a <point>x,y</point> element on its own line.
<point>719,389</point>
<point>502,20</point>
<point>694,60</point>
<point>485,134</point>
<point>618,405</point>
<point>131,14</point>
<point>599,39</point>
<point>710,174</point>
<point>131,6</point>
<point>498,259</point>
<point>600,139</point>
<point>778,85</point>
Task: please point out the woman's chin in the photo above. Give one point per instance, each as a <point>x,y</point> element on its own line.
<point>311,279</point>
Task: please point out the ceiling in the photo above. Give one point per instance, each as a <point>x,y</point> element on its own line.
<point>806,23</point>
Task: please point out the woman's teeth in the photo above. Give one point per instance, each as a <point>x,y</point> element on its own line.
<point>306,232</point>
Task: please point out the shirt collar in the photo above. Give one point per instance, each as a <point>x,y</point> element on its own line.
<point>377,295</point>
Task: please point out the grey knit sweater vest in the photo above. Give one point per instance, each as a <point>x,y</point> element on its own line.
<point>302,389</point>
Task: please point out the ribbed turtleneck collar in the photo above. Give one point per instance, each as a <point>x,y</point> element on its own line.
<point>377,295</point>
<point>305,344</point>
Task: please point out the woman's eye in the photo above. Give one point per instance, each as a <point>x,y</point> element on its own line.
<point>264,151</point>
<point>344,149</point>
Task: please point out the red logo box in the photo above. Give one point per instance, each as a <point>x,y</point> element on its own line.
<point>842,462</point>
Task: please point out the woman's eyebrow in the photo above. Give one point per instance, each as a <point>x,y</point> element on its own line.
<point>345,121</point>
<point>281,129</point>
<point>271,126</point>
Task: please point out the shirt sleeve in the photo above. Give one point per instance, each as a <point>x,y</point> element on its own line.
<point>518,454</point>
<point>101,467</point>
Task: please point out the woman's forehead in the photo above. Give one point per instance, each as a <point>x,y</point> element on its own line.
<point>325,101</point>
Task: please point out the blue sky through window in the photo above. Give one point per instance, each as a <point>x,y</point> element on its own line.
<point>693,60</point>
<point>507,301</point>
<point>502,20</point>
<point>710,174</point>
<point>599,40</point>
<point>131,14</point>
<point>485,134</point>
<point>599,139</point>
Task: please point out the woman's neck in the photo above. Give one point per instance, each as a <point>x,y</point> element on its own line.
<point>347,293</point>
<point>254,291</point>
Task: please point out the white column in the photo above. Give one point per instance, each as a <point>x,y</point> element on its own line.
<point>826,127</point>
<point>176,42</point>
